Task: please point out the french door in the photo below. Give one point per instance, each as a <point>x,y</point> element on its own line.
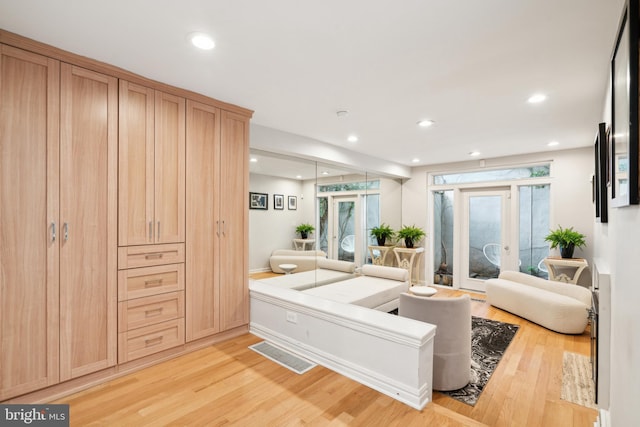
<point>345,238</point>
<point>486,230</point>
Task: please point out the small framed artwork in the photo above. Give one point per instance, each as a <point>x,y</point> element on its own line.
<point>278,201</point>
<point>600,177</point>
<point>258,201</point>
<point>293,203</point>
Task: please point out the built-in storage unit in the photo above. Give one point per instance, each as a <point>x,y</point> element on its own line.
<point>152,170</point>
<point>150,301</point>
<point>217,155</point>
<point>58,219</point>
<point>100,268</point>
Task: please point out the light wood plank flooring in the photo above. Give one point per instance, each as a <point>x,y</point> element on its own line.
<point>228,384</point>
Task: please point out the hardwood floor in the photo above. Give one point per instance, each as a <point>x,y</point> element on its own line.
<point>229,384</point>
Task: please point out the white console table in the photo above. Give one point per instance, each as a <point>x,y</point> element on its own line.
<point>379,254</point>
<point>407,258</point>
<point>301,244</point>
<point>557,268</point>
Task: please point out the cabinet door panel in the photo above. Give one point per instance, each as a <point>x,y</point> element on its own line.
<point>234,155</point>
<point>88,194</point>
<point>29,119</point>
<point>203,229</point>
<point>136,164</point>
<point>169,168</point>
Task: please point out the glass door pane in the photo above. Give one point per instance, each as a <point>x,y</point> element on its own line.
<point>534,226</point>
<point>345,228</point>
<point>486,240</point>
<point>443,242</point>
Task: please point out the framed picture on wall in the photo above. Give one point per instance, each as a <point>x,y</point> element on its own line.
<point>601,172</point>
<point>624,110</point>
<point>293,203</point>
<point>258,201</point>
<point>278,201</point>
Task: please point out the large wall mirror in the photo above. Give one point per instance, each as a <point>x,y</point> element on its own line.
<point>341,203</point>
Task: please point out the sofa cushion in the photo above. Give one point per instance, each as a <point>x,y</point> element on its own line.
<point>365,291</point>
<point>391,273</point>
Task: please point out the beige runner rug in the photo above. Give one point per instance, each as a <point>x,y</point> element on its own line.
<point>577,386</point>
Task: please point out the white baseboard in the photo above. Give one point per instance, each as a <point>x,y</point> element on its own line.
<point>603,419</point>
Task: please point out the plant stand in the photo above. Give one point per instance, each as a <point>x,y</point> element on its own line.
<point>407,258</point>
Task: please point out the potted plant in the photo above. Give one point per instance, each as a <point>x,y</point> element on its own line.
<point>567,239</point>
<point>305,230</point>
<point>382,233</point>
<point>411,235</point>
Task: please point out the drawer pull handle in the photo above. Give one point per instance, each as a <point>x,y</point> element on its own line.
<point>152,283</point>
<point>153,341</point>
<point>153,256</point>
<point>154,312</point>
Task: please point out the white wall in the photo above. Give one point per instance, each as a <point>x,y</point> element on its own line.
<point>616,244</point>
<point>274,229</point>
<point>571,193</point>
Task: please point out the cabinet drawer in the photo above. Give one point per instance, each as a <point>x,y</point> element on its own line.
<point>148,281</point>
<point>150,339</point>
<point>149,255</point>
<point>140,312</point>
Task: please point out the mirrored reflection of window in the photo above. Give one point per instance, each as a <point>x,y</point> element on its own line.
<point>493,175</point>
<point>534,226</point>
<point>443,243</point>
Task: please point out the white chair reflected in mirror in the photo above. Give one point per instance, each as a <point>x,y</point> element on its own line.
<point>348,246</point>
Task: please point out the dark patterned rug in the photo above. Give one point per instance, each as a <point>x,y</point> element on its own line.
<point>489,341</point>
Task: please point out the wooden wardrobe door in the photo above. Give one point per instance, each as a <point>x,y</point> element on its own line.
<point>88,213</point>
<point>234,158</point>
<point>29,119</point>
<point>169,168</point>
<point>136,165</point>
<point>203,229</point>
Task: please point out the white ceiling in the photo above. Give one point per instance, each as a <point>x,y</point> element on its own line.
<point>470,65</point>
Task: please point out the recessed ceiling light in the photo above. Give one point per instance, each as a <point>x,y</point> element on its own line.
<point>553,143</point>
<point>536,98</point>
<point>474,153</point>
<point>425,123</point>
<point>415,160</point>
<point>325,172</point>
<point>342,113</point>
<point>352,138</point>
<point>253,160</point>
<point>202,41</point>
<point>299,176</point>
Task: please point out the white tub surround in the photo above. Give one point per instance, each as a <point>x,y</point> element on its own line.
<point>390,354</point>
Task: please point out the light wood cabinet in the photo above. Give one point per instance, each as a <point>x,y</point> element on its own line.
<point>96,268</point>
<point>151,166</point>
<point>216,270</point>
<point>88,217</point>
<point>29,255</point>
<point>57,222</point>
<point>151,299</point>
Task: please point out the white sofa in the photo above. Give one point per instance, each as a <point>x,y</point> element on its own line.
<point>328,271</point>
<point>305,260</point>
<point>558,306</point>
<point>377,287</point>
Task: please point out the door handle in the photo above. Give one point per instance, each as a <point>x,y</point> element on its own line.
<point>150,231</point>
<point>66,231</point>
<point>53,232</point>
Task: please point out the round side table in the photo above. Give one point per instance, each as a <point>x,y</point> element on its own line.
<point>288,268</point>
<point>423,291</point>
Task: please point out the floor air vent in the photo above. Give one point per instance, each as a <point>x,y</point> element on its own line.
<point>282,357</point>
